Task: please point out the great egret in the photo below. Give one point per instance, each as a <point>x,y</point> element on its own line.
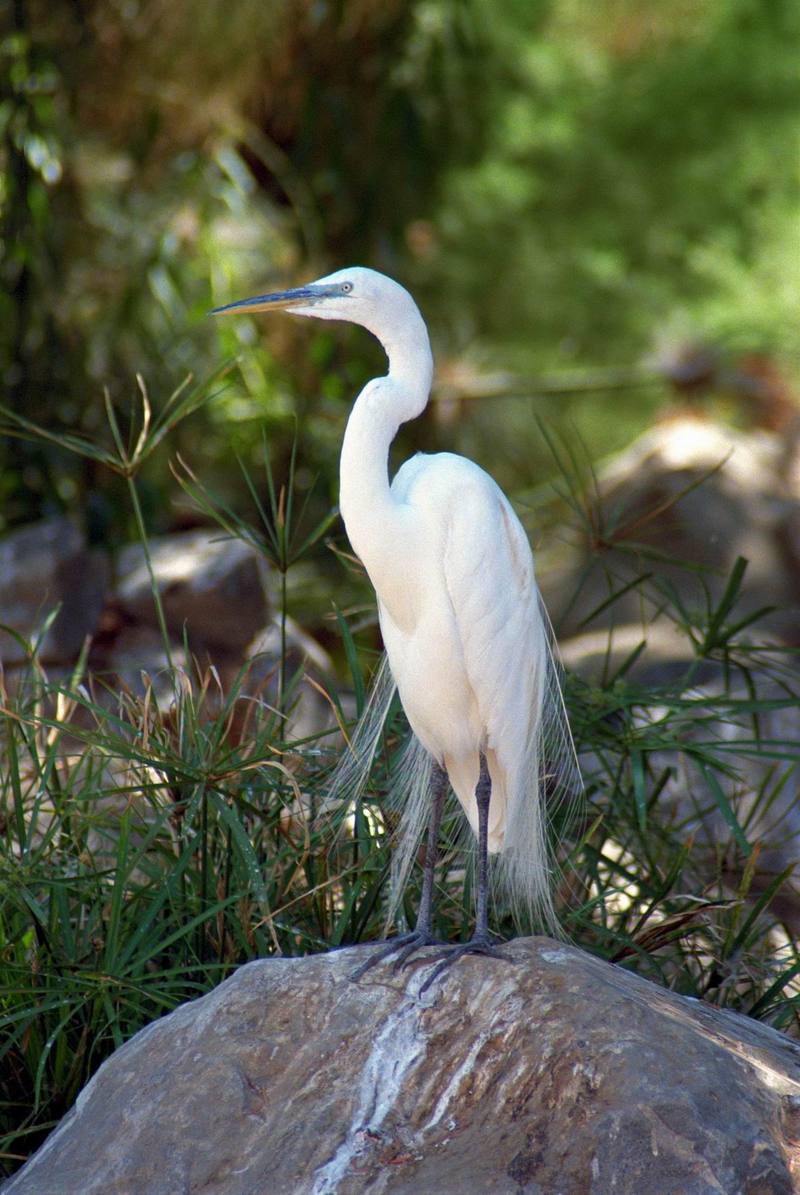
<point>460,612</point>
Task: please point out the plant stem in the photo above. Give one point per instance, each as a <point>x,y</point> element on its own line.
<point>140,528</point>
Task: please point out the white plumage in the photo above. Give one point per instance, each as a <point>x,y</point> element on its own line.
<point>459,608</point>
<point>470,665</point>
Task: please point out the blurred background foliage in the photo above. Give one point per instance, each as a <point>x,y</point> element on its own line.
<point>567,187</point>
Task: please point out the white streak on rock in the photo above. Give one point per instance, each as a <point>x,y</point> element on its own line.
<point>452,1087</point>
<point>400,1043</point>
<point>555,956</point>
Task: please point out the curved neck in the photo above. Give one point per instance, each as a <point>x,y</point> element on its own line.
<point>365,501</point>
<point>408,349</point>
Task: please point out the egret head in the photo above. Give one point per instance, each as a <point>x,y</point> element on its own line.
<point>355,294</point>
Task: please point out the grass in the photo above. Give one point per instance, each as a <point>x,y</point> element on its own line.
<point>146,849</point>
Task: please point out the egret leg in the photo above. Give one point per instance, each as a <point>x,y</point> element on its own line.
<point>422,935</point>
<point>481,941</point>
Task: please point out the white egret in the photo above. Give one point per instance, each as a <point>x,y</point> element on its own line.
<point>460,612</point>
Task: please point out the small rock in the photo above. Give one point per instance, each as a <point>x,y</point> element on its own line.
<point>42,566</point>
<point>309,714</point>
<point>137,659</point>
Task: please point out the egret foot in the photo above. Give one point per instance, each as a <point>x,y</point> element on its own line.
<point>422,934</point>
<point>479,944</point>
<point>404,946</point>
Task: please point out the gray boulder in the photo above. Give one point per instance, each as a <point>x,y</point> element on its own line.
<point>212,587</point>
<point>43,566</point>
<point>560,1075</point>
<point>687,490</point>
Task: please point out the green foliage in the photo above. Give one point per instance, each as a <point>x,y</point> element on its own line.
<point>31,166</point>
<point>143,857</point>
<point>681,785</point>
<point>560,188</point>
<point>626,181</point>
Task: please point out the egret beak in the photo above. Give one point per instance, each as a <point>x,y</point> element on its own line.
<point>301,296</point>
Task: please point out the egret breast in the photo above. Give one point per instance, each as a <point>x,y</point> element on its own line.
<point>428,669</point>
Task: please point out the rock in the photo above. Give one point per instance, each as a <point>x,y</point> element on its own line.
<point>561,1075</point>
<point>744,502</point>
<point>137,659</point>
<point>694,493</point>
<point>42,566</point>
<point>213,587</point>
<point>309,715</point>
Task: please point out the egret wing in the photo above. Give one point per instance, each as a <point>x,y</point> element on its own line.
<point>489,575</point>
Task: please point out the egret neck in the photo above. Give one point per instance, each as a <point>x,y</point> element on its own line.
<point>377,524</point>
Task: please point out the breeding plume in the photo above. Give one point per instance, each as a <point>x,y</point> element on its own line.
<point>460,613</point>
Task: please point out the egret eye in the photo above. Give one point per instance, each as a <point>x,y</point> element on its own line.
<point>346,288</point>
